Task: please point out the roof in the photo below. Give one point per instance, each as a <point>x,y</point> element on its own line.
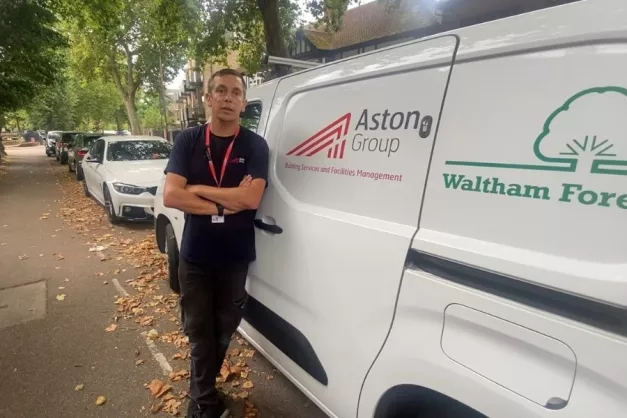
<point>369,22</point>
<point>118,138</point>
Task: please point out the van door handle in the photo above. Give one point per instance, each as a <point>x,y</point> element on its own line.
<point>268,224</point>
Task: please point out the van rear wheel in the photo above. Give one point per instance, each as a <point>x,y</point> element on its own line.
<point>172,250</point>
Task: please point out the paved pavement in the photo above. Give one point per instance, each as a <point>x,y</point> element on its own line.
<point>50,343</point>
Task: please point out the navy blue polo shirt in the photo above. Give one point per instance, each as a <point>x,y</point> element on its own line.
<point>234,240</point>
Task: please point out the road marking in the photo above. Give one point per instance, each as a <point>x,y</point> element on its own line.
<point>156,354</point>
<point>119,287</point>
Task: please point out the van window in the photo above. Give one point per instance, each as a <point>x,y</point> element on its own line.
<point>251,116</point>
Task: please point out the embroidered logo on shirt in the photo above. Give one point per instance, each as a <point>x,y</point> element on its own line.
<point>237,161</point>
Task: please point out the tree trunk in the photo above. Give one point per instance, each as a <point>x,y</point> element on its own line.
<point>131,111</point>
<point>275,42</point>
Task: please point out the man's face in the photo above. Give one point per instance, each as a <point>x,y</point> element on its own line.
<point>227,98</point>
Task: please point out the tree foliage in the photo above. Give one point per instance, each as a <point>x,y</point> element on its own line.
<point>128,41</point>
<point>256,27</point>
<point>30,46</point>
<point>251,27</point>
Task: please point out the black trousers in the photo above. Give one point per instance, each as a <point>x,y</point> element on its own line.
<point>213,299</point>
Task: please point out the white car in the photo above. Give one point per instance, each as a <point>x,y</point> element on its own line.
<point>122,173</point>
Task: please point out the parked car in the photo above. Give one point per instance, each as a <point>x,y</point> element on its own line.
<point>122,173</point>
<point>51,142</point>
<point>443,235</point>
<point>80,147</point>
<point>63,144</point>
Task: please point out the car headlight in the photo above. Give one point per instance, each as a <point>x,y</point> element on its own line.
<point>128,188</point>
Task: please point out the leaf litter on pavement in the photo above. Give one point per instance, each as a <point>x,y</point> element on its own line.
<point>152,305</point>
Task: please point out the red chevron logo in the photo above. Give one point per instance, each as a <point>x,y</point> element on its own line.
<point>331,138</point>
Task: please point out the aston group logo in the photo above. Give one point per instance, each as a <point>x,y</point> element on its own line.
<point>589,128</point>
<point>331,138</point>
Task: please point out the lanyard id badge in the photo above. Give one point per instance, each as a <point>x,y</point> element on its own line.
<point>215,219</point>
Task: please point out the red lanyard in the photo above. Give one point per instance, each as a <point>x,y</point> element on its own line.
<point>226,155</point>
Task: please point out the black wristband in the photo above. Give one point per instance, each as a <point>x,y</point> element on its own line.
<point>220,209</point>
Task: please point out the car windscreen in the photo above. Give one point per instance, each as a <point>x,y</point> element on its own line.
<point>88,141</point>
<point>68,137</point>
<point>138,150</point>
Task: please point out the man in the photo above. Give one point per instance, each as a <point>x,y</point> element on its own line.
<point>216,174</point>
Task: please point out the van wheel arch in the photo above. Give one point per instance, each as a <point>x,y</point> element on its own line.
<point>412,401</point>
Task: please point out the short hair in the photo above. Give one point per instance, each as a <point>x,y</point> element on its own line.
<point>227,71</point>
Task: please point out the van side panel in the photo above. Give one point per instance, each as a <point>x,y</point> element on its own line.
<point>350,144</point>
<point>523,224</point>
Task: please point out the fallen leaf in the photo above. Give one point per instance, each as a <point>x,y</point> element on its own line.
<point>66,280</point>
<point>22,257</point>
<point>102,256</point>
<point>158,388</point>
<point>61,287</point>
<point>105,282</point>
<point>154,409</point>
<point>225,371</point>
<point>269,377</point>
<point>248,353</point>
<point>111,328</point>
<point>43,217</point>
<point>146,321</point>
<point>139,362</point>
<point>242,395</point>
<point>171,406</point>
<point>153,334</point>
<point>117,271</point>
<point>3,244</point>
<point>79,387</point>
<point>177,376</point>
<point>248,384</point>
<point>244,375</point>
<point>100,400</point>
<point>61,296</point>
<point>97,249</point>
<point>60,257</point>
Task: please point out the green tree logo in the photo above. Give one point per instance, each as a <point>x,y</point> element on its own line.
<point>589,130</point>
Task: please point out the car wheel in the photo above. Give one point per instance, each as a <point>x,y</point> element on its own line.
<point>56,156</point>
<point>172,250</point>
<point>70,167</point>
<point>79,173</point>
<point>113,218</point>
<point>85,189</point>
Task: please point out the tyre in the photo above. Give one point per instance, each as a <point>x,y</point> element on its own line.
<point>71,167</point>
<point>85,189</point>
<point>113,217</point>
<point>172,250</point>
<point>79,173</point>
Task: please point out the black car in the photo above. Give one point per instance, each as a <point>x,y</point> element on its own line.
<point>64,143</point>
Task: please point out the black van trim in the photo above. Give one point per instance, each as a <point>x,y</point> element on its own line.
<point>286,338</point>
<point>591,312</point>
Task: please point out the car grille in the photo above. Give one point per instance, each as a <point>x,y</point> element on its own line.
<point>152,190</point>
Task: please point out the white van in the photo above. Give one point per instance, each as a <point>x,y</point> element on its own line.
<point>425,248</point>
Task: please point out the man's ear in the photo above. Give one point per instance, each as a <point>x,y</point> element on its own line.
<point>244,104</point>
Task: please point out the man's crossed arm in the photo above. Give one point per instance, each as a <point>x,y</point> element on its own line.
<point>247,196</point>
<point>201,200</point>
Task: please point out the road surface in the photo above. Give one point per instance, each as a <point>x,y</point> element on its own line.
<point>57,298</point>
